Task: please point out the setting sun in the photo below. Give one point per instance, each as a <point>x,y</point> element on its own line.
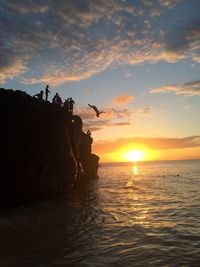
<point>135,155</point>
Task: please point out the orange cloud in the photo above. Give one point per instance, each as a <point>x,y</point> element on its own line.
<point>191,88</point>
<point>119,116</point>
<point>98,125</point>
<point>75,51</point>
<point>121,100</point>
<point>12,70</point>
<point>150,143</point>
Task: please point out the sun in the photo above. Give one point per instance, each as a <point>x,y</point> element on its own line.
<point>134,155</point>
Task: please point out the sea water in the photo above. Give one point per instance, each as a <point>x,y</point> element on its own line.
<point>144,214</point>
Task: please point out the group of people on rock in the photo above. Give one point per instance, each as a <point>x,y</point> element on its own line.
<point>39,96</point>
<point>69,104</point>
<point>56,100</point>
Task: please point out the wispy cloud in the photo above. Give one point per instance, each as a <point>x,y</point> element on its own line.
<point>87,91</point>
<point>12,69</point>
<point>120,115</point>
<point>94,125</point>
<point>73,40</point>
<point>149,143</point>
<point>169,3</point>
<point>191,88</point>
<point>27,7</point>
<point>146,111</point>
<point>111,117</point>
<point>121,100</point>
<point>196,58</point>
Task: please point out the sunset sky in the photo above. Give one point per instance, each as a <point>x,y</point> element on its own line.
<point>138,60</point>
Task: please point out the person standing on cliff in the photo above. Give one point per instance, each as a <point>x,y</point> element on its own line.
<point>47,92</point>
<point>90,139</point>
<point>71,105</point>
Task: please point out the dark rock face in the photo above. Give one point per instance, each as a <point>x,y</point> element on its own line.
<point>89,160</point>
<point>43,148</point>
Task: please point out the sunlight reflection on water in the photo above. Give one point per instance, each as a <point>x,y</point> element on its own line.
<point>147,216</point>
<point>135,169</point>
<point>158,206</point>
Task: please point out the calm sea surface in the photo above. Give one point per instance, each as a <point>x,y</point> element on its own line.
<point>144,215</point>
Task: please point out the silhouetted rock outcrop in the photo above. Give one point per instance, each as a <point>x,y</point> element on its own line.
<point>43,149</point>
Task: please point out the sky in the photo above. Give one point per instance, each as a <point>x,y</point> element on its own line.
<point>137,60</point>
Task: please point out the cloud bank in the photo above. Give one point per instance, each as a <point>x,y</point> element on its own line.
<point>116,113</point>
<point>56,42</point>
<point>149,143</point>
<point>191,88</point>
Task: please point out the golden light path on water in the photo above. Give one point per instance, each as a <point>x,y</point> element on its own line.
<point>138,198</point>
<point>135,169</point>
<point>142,215</point>
<point>135,214</point>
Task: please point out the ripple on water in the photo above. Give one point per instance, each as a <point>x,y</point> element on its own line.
<point>108,224</point>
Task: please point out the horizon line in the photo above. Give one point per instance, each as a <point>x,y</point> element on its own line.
<point>144,161</point>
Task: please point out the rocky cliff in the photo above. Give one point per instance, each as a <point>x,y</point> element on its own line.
<point>43,149</point>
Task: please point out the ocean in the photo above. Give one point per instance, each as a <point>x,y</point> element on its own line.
<point>144,214</point>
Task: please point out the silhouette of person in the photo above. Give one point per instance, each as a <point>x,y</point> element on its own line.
<point>66,105</point>
<point>57,100</point>
<point>71,105</point>
<point>88,132</point>
<point>90,139</point>
<point>39,96</point>
<point>54,100</point>
<point>47,92</point>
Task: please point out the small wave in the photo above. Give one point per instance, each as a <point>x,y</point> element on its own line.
<point>130,185</point>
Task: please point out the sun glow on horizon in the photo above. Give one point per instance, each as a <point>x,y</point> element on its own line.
<point>134,155</point>
<point>137,153</point>
<point>131,154</point>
